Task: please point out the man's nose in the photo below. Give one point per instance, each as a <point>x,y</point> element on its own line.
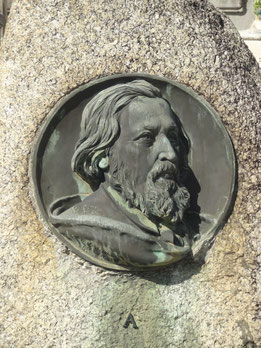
<point>166,151</point>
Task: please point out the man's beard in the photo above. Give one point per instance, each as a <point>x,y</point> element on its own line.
<point>163,195</point>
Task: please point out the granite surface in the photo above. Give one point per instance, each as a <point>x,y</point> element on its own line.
<point>49,296</point>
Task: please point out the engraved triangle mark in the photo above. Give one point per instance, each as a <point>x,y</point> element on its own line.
<point>130,320</point>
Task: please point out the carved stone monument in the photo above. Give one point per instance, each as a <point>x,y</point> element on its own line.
<point>147,208</point>
<point>130,132</point>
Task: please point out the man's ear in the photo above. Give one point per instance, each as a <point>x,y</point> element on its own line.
<point>104,163</point>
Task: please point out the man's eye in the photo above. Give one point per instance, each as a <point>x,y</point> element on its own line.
<point>147,138</point>
<point>174,140</point>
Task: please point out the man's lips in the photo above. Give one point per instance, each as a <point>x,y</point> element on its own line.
<point>166,175</point>
<point>165,170</point>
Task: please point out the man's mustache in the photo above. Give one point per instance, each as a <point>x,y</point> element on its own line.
<point>165,169</point>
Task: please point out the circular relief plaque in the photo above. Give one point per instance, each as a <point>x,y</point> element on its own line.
<point>67,202</point>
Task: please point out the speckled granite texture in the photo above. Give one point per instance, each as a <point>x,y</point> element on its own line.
<point>50,297</point>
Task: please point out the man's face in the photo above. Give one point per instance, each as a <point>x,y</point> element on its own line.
<point>145,159</point>
<point>149,137</point>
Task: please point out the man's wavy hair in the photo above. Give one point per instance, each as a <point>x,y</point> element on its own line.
<point>100,128</point>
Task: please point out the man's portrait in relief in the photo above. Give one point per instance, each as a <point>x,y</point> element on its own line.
<point>133,152</point>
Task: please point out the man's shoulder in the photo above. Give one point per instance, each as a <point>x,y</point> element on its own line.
<point>91,205</point>
<point>77,209</point>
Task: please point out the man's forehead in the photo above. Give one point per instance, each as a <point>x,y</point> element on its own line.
<point>145,111</point>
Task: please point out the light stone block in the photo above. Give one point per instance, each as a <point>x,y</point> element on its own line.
<point>49,296</point>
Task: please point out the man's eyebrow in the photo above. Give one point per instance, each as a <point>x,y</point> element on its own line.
<point>173,128</point>
<point>149,127</point>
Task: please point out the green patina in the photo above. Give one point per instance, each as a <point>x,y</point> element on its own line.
<point>160,256</point>
<point>257,8</point>
<point>54,138</point>
<point>83,187</point>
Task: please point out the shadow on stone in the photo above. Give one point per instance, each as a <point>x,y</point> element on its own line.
<point>172,275</point>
